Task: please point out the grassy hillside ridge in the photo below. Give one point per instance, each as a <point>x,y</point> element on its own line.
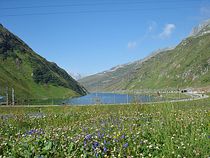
<point>186,65</point>
<point>30,74</point>
<point>108,79</point>
<point>117,77</point>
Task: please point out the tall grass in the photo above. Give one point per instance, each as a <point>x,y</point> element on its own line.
<point>160,130</point>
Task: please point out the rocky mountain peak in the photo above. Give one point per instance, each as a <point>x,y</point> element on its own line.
<point>201,29</point>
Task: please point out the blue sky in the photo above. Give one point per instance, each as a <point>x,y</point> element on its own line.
<point>90,36</point>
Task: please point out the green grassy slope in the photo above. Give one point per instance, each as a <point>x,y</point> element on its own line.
<point>109,80</point>
<point>187,65</point>
<point>31,75</point>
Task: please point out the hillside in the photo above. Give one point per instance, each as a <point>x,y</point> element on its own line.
<point>108,80</point>
<point>186,65</point>
<point>117,77</point>
<point>31,75</point>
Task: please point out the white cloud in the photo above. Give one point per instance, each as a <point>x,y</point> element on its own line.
<point>132,44</point>
<point>152,26</point>
<point>167,31</point>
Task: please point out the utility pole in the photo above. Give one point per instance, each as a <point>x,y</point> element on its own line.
<point>178,89</point>
<point>127,97</point>
<point>7,96</point>
<point>97,88</point>
<point>114,98</point>
<point>149,97</point>
<point>13,96</point>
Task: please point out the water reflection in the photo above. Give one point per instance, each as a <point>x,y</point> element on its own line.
<point>109,98</point>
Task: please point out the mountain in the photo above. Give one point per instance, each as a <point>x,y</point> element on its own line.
<point>117,77</point>
<point>31,75</point>
<point>201,29</point>
<point>186,65</point>
<point>108,80</point>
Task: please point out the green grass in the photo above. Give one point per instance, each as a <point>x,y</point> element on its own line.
<point>160,130</point>
<point>170,96</point>
<point>160,96</point>
<point>24,85</point>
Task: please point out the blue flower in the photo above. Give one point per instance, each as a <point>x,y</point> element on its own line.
<point>125,145</point>
<point>96,154</point>
<point>88,137</point>
<point>123,136</point>
<point>115,140</point>
<point>85,143</point>
<point>105,149</point>
<point>35,131</point>
<point>95,144</point>
<point>100,135</point>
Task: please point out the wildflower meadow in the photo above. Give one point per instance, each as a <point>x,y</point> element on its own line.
<point>169,130</point>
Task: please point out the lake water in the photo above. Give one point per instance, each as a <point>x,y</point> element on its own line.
<point>2,99</point>
<point>108,98</point>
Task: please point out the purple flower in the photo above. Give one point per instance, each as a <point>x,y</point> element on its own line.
<point>125,145</point>
<point>115,140</point>
<point>96,154</point>
<point>105,149</point>
<point>85,143</point>
<point>100,135</point>
<point>95,144</point>
<point>123,136</point>
<point>30,132</point>
<point>41,131</point>
<point>88,137</point>
<point>34,131</point>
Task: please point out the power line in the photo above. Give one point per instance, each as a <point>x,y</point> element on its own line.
<point>93,4</point>
<point>96,11</point>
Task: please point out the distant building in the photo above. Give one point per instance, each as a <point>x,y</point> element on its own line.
<point>187,90</point>
<point>2,100</point>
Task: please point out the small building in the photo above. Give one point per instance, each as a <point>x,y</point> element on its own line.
<point>187,90</point>
<point>2,100</point>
